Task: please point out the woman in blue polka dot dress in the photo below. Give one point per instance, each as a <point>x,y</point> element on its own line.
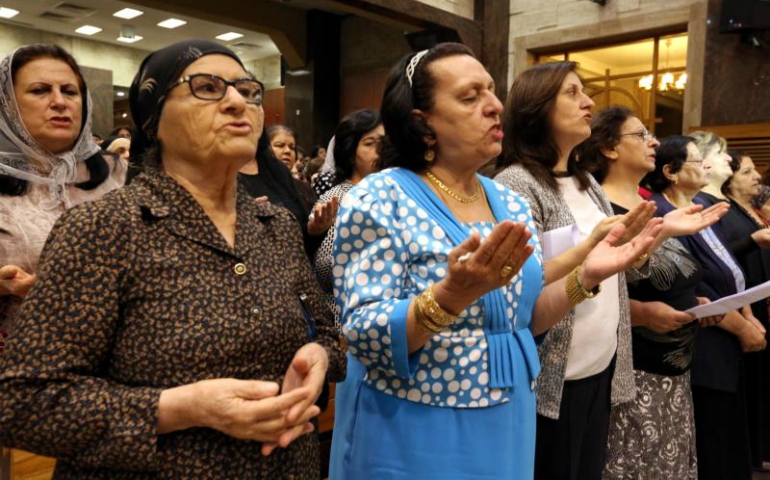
<point>439,279</point>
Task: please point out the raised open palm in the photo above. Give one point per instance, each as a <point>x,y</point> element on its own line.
<point>692,219</point>
<point>606,259</point>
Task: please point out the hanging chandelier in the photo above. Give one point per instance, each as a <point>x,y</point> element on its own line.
<point>667,81</point>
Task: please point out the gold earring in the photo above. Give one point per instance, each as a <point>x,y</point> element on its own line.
<point>676,180</point>
<point>430,155</point>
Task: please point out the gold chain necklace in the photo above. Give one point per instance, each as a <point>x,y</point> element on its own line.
<point>459,216</point>
<point>441,186</point>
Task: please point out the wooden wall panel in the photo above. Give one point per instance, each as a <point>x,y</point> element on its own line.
<point>362,90</point>
<point>273,104</point>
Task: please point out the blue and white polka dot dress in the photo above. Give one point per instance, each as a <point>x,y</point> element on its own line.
<point>393,241</point>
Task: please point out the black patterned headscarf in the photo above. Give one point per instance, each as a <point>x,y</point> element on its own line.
<point>158,72</point>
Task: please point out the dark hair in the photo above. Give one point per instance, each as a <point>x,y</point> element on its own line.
<point>314,151</point>
<point>349,132</point>
<point>403,144</point>
<point>527,124</point>
<point>736,156</point>
<point>672,151</point>
<point>605,134</point>
<point>116,131</point>
<point>312,167</point>
<point>98,169</point>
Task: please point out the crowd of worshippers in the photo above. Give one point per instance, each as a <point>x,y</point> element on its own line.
<point>176,302</point>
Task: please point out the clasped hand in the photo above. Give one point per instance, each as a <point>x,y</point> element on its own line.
<point>254,410</point>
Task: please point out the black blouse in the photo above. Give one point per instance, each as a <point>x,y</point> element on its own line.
<point>718,353</point>
<point>674,276</point>
<point>275,182</point>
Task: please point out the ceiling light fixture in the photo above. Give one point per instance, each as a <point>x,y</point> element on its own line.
<point>229,36</point>
<point>128,34</point>
<point>172,23</point>
<point>88,30</point>
<point>133,39</point>
<point>128,13</point>
<point>8,12</point>
<point>120,93</point>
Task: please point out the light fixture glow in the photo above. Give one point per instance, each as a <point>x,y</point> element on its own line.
<point>229,36</point>
<point>124,115</point>
<point>88,30</point>
<point>646,82</point>
<point>128,13</point>
<point>120,93</point>
<point>666,82</point>
<point>133,39</point>
<point>681,82</point>
<point>8,12</point>
<point>172,23</point>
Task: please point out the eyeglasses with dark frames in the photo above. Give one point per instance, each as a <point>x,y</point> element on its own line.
<point>206,86</point>
<point>641,135</point>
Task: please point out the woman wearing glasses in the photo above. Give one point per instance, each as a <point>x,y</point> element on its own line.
<point>653,436</point>
<point>168,333</point>
<point>720,414</point>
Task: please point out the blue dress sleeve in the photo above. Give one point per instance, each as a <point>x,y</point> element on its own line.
<point>370,259</point>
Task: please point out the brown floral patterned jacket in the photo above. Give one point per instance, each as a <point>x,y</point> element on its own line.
<point>139,292</point>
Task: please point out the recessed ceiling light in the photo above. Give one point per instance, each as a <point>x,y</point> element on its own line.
<point>124,115</point>
<point>171,23</point>
<point>133,39</point>
<point>128,13</point>
<point>88,30</point>
<point>8,12</point>
<point>120,93</point>
<point>229,36</point>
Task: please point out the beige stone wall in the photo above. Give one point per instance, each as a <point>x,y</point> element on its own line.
<point>124,62</point>
<point>463,8</point>
<point>267,70</point>
<point>539,16</point>
<point>537,25</point>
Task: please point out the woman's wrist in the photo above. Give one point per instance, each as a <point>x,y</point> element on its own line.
<point>177,410</point>
<point>452,302</point>
<point>589,284</point>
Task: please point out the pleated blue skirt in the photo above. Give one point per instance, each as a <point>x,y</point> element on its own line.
<point>379,436</point>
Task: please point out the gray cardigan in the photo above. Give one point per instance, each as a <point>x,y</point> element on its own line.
<point>549,212</point>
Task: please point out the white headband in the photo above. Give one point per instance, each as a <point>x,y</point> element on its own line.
<point>413,64</point>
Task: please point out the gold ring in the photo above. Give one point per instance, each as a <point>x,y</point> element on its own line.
<point>506,271</point>
<point>643,258</point>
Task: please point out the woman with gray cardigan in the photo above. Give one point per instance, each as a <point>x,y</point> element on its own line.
<point>586,357</point>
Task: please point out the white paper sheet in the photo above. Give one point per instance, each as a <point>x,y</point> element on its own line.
<point>733,302</point>
<point>558,241</point>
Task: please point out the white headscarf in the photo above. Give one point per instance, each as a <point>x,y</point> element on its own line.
<point>22,157</point>
<point>328,165</point>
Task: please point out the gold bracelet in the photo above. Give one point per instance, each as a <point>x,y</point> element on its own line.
<point>429,313</point>
<point>575,290</point>
<point>422,320</point>
<point>433,310</point>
